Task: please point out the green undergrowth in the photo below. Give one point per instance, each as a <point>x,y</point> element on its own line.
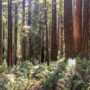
<point>51,82</point>
<point>26,74</point>
<point>81,79</point>
<point>60,75</point>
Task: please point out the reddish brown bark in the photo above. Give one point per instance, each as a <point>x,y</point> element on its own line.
<point>77,25</point>
<point>54,32</point>
<point>68,29</point>
<point>89,22</point>
<point>85,38</point>
<point>0,31</point>
<point>9,58</point>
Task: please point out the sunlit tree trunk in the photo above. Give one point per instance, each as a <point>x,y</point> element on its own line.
<point>85,30</point>
<point>23,33</point>
<point>58,22</point>
<point>54,32</point>
<point>9,58</point>
<point>47,49</point>
<point>0,31</point>
<point>68,29</point>
<point>28,39</point>
<point>61,36</point>
<point>61,30</point>
<point>77,25</point>
<point>15,34</point>
<point>3,30</point>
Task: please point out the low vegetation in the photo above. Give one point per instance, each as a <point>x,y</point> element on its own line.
<point>60,75</point>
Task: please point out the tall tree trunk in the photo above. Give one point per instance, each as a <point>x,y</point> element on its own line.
<point>59,17</point>
<point>68,29</point>
<point>85,38</point>
<point>89,30</point>
<point>9,59</point>
<point>77,25</point>
<point>54,32</point>
<point>61,30</point>
<point>49,37</point>
<point>42,43</point>
<point>3,39</point>
<point>23,33</point>
<point>61,35</point>
<point>28,39</point>
<point>0,31</point>
<point>47,50</point>
<point>15,34</point>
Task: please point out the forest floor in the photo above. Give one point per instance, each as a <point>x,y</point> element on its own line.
<point>72,74</point>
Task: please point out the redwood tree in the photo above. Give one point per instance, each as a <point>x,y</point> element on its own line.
<point>15,34</point>
<point>61,36</point>
<point>0,31</point>
<point>9,58</point>
<point>28,39</point>
<point>68,29</point>
<point>23,33</point>
<point>42,43</point>
<point>61,30</point>
<point>47,49</point>
<point>77,25</point>
<point>49,37</point>
<point>85,31</point>
<point>54,32</point>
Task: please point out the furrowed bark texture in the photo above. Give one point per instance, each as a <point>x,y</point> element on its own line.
<point>61,31</point>
<point>68,29</point>
<point>9,58</point>
<point>85,38</point>
<point>47,48</point>
<point>15,34</point>
<point>54,32</point>
<point>77,25</point>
